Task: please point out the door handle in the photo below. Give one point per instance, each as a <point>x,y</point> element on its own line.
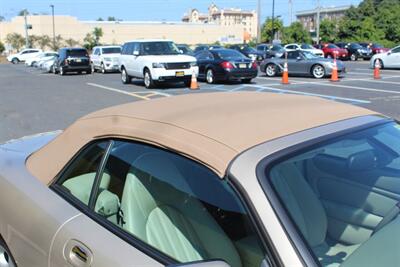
<point>77,254</point>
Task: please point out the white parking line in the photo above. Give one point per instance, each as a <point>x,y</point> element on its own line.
<point>264,88</point>
<point>357,88</point>
<point>383,70</point>
<point>134,94</point>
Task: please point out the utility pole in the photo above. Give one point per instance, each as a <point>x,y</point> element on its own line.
<point>54,27</point>
<point>273,22</point>
<point>26,30</point>
<point>291,11</point>
<point>259,21</point>
<point>318,20</point>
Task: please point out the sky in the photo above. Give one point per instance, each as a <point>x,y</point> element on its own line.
<point>154,10</point>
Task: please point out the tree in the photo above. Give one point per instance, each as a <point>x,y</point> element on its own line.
<point>97,33</point>
<point>16,40</point>
<point>111,19</point>
<point>100,19</point>
<point>44,41</point>
<point>296,33</point>
<point>71,42</point>
<point>328,31</point>
<point>22,12</point>
<point>93,38</point>
<point>33,40</point>
<point>2,48</point>
<point>58,44</point>
<point>266,30</point>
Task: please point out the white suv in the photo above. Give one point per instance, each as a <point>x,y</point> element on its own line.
<point>304,47</point>
<point>156,61</point>
<point>23,55</point>
<point>105,58</point>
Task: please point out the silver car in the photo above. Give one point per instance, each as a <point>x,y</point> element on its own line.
<point>265,180</point>
<point>301,63</point>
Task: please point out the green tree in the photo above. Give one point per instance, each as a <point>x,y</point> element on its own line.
<point>328,31</point>
<point>296,33</point>
<point>111,19</point>
<point>16,40</point>
<point>97,34</point>
<point>93,38</point>
<point>266,30</point>
<point>71,42</point>
<point>100,19</point>
<point>44,41</point>
<point>2,48</point>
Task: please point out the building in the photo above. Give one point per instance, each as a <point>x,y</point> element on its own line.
<point>118,32</point>
<point>248,20</point>
<point>309,17</point>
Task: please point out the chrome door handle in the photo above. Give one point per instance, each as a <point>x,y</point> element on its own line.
<point>80,254</point>
<point>77,254</point>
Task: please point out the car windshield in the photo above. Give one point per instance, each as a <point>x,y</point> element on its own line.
<point>306,46</point>
<point>159,48</point>
<point>377,46</point>
<point>229,54</point>
<point>337,193</point>
<point>77,53</point>
<point>262,47</point>
<point>332,46</point>
<point>249,49</point>
<point>309,55</point>
<point>356,46</point>
<point>112,50</point>
<point>277,48</point>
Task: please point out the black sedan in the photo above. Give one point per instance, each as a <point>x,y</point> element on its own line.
<point>225,65</point>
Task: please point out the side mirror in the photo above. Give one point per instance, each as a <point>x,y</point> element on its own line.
<point>389,52</point>
<point>211,263</point>
<point>299,58</point>
<point>180,51</point>
<point>136,53</point>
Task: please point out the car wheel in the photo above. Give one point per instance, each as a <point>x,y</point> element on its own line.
<point>246,80</point>
<point>380,62</point>
<point>89,71</point>
<point>148,80</point>
<point>51,69</point>
<point>270,70</point>
<point>15,61</point>
<point>210,76</point>
<point>125,78</point>
<point>103,69</point>
<point>318,71</point>
<point>5,256</point>
<point>353,57</point>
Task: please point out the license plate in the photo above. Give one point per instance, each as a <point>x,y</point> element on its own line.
<point>242,66</point>
<point>78,60</point>
<point>179,73</point>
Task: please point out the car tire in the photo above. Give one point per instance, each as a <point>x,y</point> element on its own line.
<point>188,82</point>
<point>246,80</point>
<point>353,57</point>
<point>125,78</point>
<point>380,63</point>
<point>318,71</point>
<point>89,71</point>
<point>102,68</point>
<point>270,70</point>
<point>210,76</point>
<point>15,61</point>
<point>148,80</point>
<point>6,258</point>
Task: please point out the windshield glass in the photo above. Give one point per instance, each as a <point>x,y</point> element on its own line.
<point>332,46</point>
<point>356,46</point>
<point>112,50</point>
<point>228,54</point>
<point>309,55</point>
<point>338,191</point>
<point>277,48</point>
<point>249,49</point>
<point>306,46</point>
<point>377,46</point>
<point>159,48</point>
<point>77,53</point>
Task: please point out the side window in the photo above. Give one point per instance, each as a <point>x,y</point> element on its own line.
<point>396,50</point>
<point>129,49</point>
<point>97,51</point>
<point>79,177</point>
<point>201,56</point>
<point>124,48</point>
<point>136,47</point>
<point>209,56</point>
<point>176,206</point>
<point>293,55</point>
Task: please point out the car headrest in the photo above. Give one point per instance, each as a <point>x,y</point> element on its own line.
<point>107,204</point>
<point>362,161</point>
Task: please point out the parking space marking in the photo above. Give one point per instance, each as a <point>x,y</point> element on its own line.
<point>353,100</point>
<point>383,70</point>
<point>357,88</point>
<point>118,91</point>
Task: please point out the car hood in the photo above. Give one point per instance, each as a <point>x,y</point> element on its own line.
<point>170,58</point>
<point>29,144</point>
<point>114,55</point>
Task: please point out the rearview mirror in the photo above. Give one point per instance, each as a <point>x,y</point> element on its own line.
<point>211,263</point>
<point>136,53</point>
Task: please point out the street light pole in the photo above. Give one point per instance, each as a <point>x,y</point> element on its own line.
<point>259,21</point>
<point>273,22</point>
<point>26,30</point>
<point>318,20</point>
<point>54,27</point>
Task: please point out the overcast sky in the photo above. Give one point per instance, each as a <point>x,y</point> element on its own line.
<point>170,10</point>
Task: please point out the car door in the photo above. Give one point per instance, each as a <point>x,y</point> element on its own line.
<point>95,57</point>
<point>295,62</point>
<point>202,61</point>
<point>392,59</point>
<point>146,206</point>
<point>138,60</point>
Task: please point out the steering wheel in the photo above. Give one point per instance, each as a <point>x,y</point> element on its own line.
<point>390,216</point>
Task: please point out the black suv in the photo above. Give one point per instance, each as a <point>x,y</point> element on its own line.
<point>249,52</point>
<point>72,60</point>
<point>356,51</point>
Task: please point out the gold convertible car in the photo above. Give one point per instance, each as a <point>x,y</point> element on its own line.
<point>208,180</point>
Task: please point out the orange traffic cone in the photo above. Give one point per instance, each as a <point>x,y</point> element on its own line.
<point>334,77</point>
<point>377,72</point>
<point>285,76</point>
<point>193,84</point>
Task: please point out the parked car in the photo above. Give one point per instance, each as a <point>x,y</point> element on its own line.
<point>356,51</point>
<point>390,59</point>
<point>225,65</point>
<point>48,65</point>
<point>302,63</point>
<point>223,177</point>
<point>376,48</point>
<point>332,50</point>
<point>156,61</point>
<point>23,55</point>
<point>201,47</point>
<point>105,58</point>
<point>275,50</point>
<point>304,47</point>
<point>249,52</point>
<point>31,62</point>
<point>186,50</point>
<point>263,48</point>
<point>72,60</point>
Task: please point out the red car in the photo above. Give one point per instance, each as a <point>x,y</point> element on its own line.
<point>376,48</point>
<point>330,50</point>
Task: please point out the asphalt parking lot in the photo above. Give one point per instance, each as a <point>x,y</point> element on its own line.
<point>33,102</point>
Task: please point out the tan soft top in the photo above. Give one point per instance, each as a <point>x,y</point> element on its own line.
<point>211,128</point>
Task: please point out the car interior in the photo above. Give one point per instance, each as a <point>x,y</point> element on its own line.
<point>343,198</point>
<point>164,200</point>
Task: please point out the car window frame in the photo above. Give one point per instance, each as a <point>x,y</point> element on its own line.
<point>265,166</point>
<point>88,210</point>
